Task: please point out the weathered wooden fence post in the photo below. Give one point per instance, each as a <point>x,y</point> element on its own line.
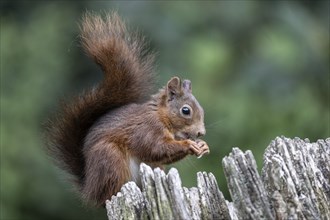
<point>294,184</point>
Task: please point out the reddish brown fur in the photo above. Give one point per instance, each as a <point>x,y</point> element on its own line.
<point>128,78</point>
<point>97,137</point>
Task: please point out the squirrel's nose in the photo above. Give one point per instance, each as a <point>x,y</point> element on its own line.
<point>201,132</point>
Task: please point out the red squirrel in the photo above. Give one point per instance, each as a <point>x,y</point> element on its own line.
<point>102,136</point>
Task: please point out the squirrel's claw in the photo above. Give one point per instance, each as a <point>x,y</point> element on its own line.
<point>203,147</point>
<point>193,147</point>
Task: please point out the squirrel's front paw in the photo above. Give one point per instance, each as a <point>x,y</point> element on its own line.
<point>198,148</point>
<point>204,148</point>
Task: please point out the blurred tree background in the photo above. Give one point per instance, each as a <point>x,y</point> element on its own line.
<point>260,69</point>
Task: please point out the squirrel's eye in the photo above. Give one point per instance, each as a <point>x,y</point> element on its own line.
<point>185,110</point>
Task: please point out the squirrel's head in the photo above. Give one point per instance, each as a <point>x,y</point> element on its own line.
<point>185,114</point>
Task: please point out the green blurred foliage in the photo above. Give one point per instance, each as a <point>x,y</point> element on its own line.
<point>260,69</point>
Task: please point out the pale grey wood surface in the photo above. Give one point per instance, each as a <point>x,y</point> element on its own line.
<point>294,184</point>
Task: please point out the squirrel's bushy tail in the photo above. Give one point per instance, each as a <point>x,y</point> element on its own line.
<point>128,76</point>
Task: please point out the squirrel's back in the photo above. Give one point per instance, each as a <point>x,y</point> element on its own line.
<point>128,76</point>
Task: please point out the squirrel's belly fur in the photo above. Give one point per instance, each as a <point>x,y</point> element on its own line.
<point>134,166</point>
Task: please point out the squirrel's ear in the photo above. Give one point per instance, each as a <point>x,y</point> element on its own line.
<point>187,85</point>
<point>173,87</point>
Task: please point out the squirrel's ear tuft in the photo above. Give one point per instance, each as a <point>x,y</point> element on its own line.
<point>173,87</point>
<point>187,85</point>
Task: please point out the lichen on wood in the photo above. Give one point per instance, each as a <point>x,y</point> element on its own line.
<point>294,184</point>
